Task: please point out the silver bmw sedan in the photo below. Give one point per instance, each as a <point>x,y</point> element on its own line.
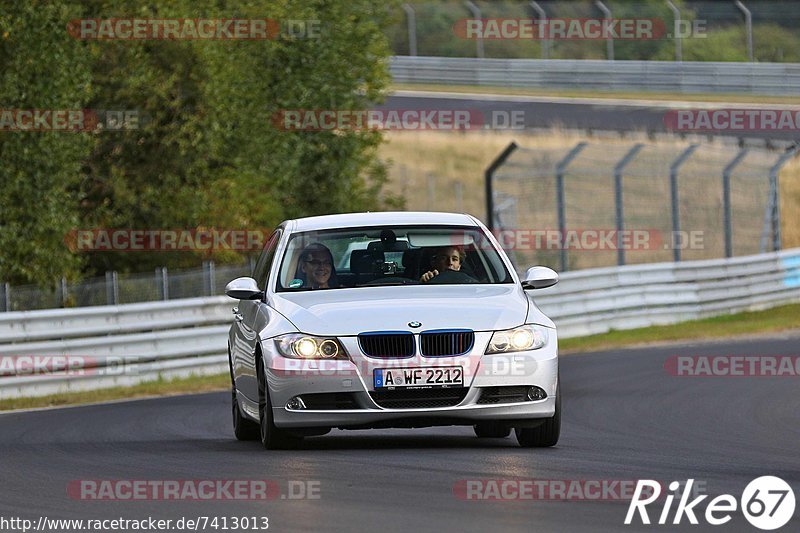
<point>378,320</point>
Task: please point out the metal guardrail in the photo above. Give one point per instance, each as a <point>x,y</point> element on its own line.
<point>595,301</point>
<point>127,344</point>
<point>779,79</point>
<point>107,346</point>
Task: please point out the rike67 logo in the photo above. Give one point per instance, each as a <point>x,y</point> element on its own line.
<point>767,502</point>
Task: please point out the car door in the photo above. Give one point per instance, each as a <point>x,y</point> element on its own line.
<point>248,317</point>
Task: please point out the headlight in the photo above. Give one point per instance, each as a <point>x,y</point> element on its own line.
<point>299,346</point>
<point>527,337</point>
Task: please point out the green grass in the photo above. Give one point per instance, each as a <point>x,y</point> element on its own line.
<point>782,318</point>
<point>625,95</point>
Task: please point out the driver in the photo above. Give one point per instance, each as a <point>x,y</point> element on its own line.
<point>445,258</point>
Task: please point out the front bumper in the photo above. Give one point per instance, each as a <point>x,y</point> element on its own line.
<point>288,378</point>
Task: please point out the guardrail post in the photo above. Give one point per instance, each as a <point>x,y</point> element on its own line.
<point>561,169</point>
<point>411,18</point>
<point>676,31</point>
<point>112,288</point>
<point>609,40</point>
<point>476,12</point>
<point>5,301</point>
<point>618,198</point>
<point>673,185</point>
<point>489,177</point>
<point>726,200</point>
<point>543,29</point>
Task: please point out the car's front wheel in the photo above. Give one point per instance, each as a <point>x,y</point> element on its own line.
<point>547,433</point>
<point>272,437</point>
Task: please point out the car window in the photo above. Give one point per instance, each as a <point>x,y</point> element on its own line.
<point>359,257</point>
<point>262,268</point>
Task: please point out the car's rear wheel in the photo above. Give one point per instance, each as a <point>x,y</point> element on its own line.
<point>547,433</point>
<point>272,437</point>
<point>491,430</point>
<point>243,428</point>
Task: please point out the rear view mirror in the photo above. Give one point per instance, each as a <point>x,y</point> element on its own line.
<point>539,277</point>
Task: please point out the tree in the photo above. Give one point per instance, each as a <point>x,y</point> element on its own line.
<point>40,68</point>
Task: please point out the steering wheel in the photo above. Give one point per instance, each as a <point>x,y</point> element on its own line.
<point>452,277</point>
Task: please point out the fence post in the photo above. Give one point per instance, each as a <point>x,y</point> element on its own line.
<point>610,39</point>
<point>748,26</point>
<point>209,271</point>
<point>164,283</point>
<point>561,169</point>
<point>489,177</point>
<point>726,200</point>
<point>772,216</point>
<point>412,29</point>
<point>63,290</point>
<point>676,31</point>
<point>543,29</point>
<point>431,191</point>
<point>676,215</point>
<point>618,198</point>
<point>5,301</point>
<point>476,12</point>
<point>458,192</point>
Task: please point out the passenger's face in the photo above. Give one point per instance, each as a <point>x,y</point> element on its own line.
<point>447,259</point>
<point>317,267</point>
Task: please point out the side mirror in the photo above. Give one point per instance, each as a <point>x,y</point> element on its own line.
<point>539,277</point>
<point>243,289</point>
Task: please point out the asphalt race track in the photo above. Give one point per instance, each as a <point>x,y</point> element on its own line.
<point>625,418</point>
<point>575,113</point>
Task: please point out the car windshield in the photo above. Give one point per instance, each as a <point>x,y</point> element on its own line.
<point>396,255</point>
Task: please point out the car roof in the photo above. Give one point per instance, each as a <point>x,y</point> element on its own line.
<point>384,218</point>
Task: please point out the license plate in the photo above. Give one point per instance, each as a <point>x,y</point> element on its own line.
<point>426,377</point>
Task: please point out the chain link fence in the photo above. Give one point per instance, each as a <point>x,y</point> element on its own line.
<point>427,28</point>
<point>118,288</point>
<point>598,204</point>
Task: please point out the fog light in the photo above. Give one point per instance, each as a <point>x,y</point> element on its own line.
<point>535,393</point>
<point>295,404</point>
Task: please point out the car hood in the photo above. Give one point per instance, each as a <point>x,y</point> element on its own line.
<point>342,312</point>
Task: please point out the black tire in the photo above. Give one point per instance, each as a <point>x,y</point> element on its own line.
<point>272,438</point>
<point>243,428</point>
<point>491,430</point>
<point>545,435</point>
